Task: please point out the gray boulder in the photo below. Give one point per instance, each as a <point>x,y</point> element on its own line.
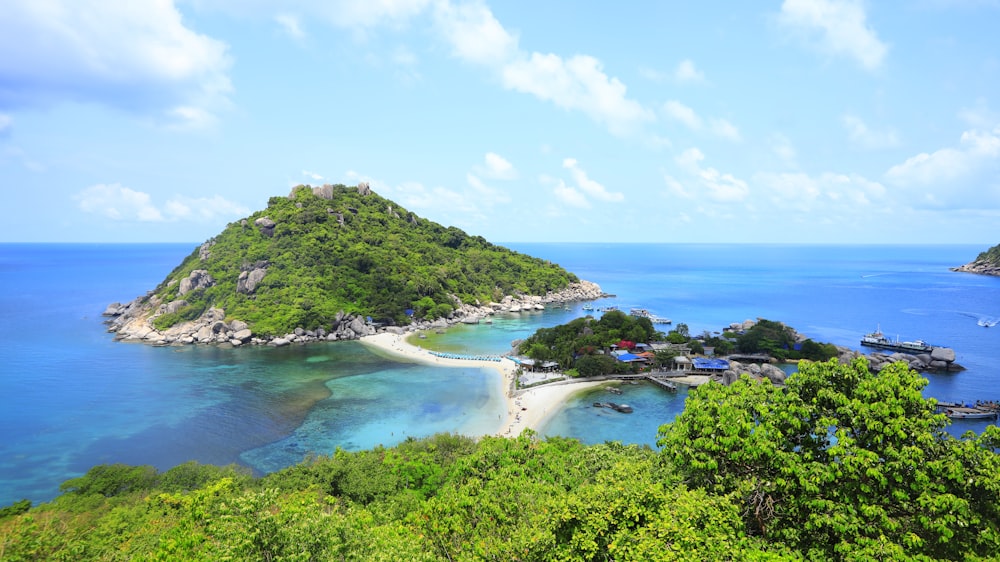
<point>943,354</point>
<point>279,342</point>
<point>174,306</point>
<point>772,373</point>
<point>265,225</point>
<point>358,326</point>
<point>237,325</point>
<point>198,279</point>
<point>243,335</point>
<point>247,282</point>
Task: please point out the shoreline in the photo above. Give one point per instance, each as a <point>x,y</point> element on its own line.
<point>526,409</point>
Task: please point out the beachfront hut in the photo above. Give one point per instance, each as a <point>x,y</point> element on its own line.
<point>681,363</point>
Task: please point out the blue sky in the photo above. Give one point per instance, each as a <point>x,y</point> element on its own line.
<point>797,121</point>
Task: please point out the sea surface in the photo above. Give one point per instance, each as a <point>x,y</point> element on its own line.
<point>71,397</point>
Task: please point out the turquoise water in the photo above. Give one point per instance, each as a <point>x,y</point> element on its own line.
<point>71,397</point>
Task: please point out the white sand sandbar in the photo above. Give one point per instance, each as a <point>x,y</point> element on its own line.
<point>527,409</point>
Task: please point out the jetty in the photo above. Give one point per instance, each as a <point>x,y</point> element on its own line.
<point>662,383</point>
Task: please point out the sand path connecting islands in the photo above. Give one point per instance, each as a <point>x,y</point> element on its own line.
<point>528,409</point>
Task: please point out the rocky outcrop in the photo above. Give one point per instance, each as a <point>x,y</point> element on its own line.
<point>980,266</point>
<point>248,280</point>
<point>764,371</point>
<point>364,188</point>
<point>941,359</point>
<point>265,225</point>
<point>134,321</point>
<point>198,279</point>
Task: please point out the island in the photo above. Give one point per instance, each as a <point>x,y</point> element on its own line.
<point>334,263</point>
<point>986,263</point>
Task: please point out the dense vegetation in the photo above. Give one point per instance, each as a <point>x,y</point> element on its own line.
<point>992,255</point>
<point>842,464</point>
<point>766,336</point>
<point>356,254</point>
<point>580,346</point>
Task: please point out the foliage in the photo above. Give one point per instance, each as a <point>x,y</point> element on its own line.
<point>992,255</point>
<point>353,254</point>
<point>843,463</point>
<point>576,343</point>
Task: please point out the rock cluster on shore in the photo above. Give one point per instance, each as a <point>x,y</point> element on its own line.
<point>940,359</point>
<point>980,266</point>
<point>133,321</point>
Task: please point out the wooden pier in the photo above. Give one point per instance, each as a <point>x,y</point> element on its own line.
<point>665,384</point>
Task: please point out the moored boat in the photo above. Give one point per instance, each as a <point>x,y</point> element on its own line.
<point>879,340</point>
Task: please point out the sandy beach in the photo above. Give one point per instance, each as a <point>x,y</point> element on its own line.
<point>526,409</point>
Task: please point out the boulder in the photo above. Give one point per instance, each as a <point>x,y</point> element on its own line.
<point>358,326</point>
<point>279,342</point>
<point>943,354</point>
<point>113,309</point>
<point>772,373</point>
<point>364,189</point>
<point>247,282</point>
<point>939,365</point>
<point>174,306</point>
<point>237,325</point>
<point>198,279</point>
<point>265,225</point>
<point>243,335</point>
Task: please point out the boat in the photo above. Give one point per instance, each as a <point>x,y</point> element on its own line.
<point>660,320</point>
<point>608,308</point>
<point>879,340</point>
<point>614,390</point>
<point>588,307</point>
<point>964,413</point>
<point>639,313</point>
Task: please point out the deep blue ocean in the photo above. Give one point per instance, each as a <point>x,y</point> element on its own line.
<point>71,397</point>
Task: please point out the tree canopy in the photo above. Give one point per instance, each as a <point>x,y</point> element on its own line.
<point>578,343</point>
<point>842,463</point>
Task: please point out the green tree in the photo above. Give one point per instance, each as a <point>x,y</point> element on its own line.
<point>843,463</point>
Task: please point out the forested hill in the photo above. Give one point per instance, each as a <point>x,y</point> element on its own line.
<point>320,254</point>
<point>986,263</point>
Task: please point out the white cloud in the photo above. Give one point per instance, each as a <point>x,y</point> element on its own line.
<point>717,126</point>
<point>828,194</point>
<point>686,72</point>
<point>570,196</point>
<point>497,167</point>
<point>860,134</point>
<point>312,175</point>
<point>474,34</point>
<point>484,194</point>
<point>290,26</point>
<point>724,129</point>
<point>203,209</point>
<point>116,202</point>
<point>707,181</point>
<point>5,123</point>
<point>685,115</point>
<point>577,83</point>
<point>841,26</point>
<point>953,177</point>
<point>589,186</point>
<point>137,55</point>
